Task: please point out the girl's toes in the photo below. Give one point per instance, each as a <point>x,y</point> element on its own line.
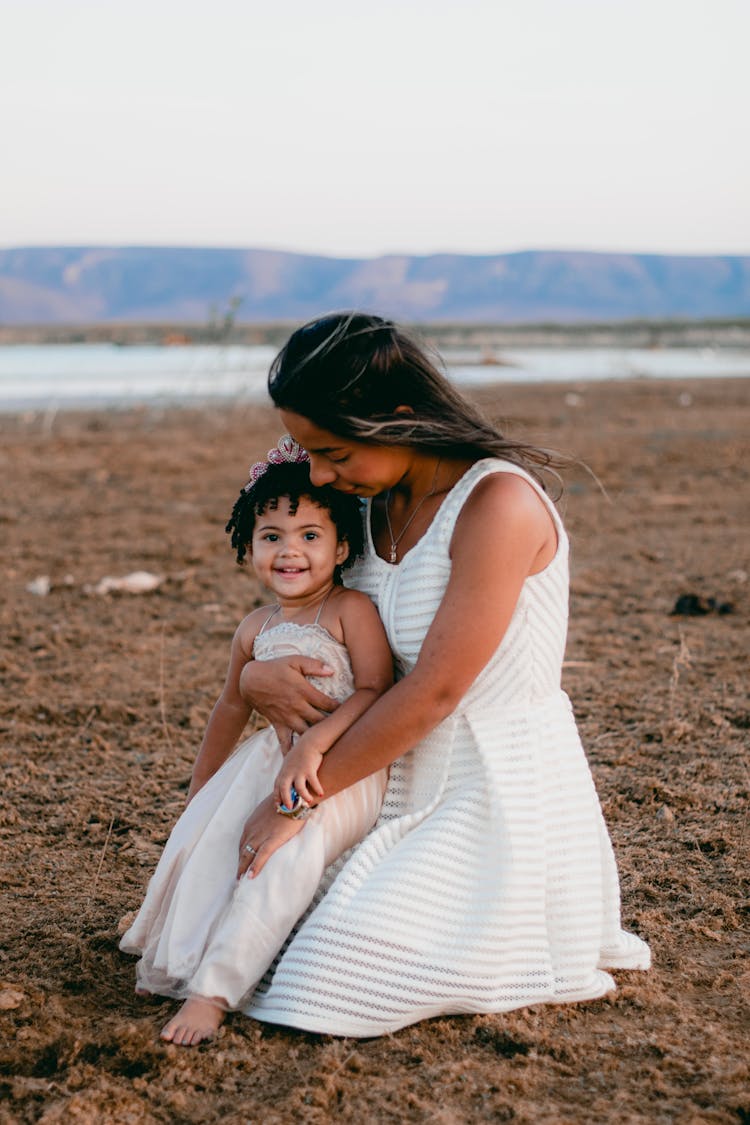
<point>197,1021</point>
<point>170,1032</point>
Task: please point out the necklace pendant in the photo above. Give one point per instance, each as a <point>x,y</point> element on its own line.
<point>393,552</point>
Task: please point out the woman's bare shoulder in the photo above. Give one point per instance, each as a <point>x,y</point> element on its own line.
<point>506,494</point>
<point>504,508</point>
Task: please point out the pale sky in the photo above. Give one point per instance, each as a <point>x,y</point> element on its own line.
<point>351,128</point>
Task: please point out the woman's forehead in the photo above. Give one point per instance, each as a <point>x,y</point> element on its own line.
<point>311,436</point>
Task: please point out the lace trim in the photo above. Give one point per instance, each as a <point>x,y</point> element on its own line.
<point>292,626</point>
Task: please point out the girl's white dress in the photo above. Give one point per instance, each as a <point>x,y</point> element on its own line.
<point>488,882</point>
<point>199,930</point>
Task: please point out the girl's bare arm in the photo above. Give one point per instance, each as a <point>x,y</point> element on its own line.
<point>230,712</point>
<point>372,668</point>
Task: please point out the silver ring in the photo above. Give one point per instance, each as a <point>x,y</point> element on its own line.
<point>250,849</point>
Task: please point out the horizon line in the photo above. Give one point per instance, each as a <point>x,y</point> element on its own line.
<point>219,246</point>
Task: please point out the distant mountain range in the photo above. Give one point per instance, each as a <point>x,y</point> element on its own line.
<point>94,284</point>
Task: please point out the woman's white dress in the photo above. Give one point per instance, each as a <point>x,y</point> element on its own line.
<point>199,930</point>
<point>489,881</point>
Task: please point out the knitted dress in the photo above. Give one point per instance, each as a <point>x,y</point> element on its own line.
<point>489,881</point>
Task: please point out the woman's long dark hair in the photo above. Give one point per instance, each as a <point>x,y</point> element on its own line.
<point>350,372</point>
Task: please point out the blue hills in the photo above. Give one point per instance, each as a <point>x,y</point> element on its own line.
<point>97,284</point>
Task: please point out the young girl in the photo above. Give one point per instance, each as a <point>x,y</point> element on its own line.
<point>208,930</point>
<point>489,881</point>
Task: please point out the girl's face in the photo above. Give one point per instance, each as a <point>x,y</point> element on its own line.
<point>347,465</point>
<point>295,555</point>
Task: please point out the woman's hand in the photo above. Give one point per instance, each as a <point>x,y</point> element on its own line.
<point>264,833</point>
<point>279,690</point>
<point>300,769</point>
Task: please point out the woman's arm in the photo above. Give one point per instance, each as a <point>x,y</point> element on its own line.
<point>372,669</point>
<point>503,535</point>
<point>230,712</point>
<point>280,691</point>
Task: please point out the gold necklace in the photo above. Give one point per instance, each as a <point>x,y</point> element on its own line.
<point>395,541</point>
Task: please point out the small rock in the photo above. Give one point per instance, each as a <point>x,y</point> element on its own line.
<point>665,814</point>
<point>573,399</point>
<point>11,998</point>
<point>695,605</point>
<point>139,582</point>
<point>126,922</point>
<point>685,399</point>
<point>41,586</point>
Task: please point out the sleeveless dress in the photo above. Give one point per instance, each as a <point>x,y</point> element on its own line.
<point>200,932</point>
<point>489,881</point>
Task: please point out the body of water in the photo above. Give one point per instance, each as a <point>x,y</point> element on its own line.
<point>92,375</point>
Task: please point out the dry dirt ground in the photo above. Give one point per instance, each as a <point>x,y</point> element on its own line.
<point>103,705</point>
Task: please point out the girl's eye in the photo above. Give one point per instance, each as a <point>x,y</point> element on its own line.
<point>309,535</point>
<point>271,537</point>
<point>339,460</point>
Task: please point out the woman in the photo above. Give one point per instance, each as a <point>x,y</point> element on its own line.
<point>489,881</point>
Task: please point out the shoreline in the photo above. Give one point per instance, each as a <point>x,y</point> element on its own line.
<point>645,332</point>
<point>32,408</point>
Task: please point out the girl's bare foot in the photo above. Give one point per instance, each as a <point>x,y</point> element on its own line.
<point>197,1020</point>
<point>142,991</point>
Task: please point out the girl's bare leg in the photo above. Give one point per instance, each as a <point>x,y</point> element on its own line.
<point>199,1018</point>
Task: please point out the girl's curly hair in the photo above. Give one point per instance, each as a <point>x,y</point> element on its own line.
<point>292,480</point>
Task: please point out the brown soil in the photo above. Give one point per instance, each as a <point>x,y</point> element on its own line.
<point>106,696</point>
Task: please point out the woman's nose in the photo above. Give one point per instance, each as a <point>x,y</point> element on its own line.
<point>320,473</point>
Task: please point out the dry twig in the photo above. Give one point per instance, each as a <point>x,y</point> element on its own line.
<point>101,857</point>
<point>162,708</point>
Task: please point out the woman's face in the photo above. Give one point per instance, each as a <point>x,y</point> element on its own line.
<point>347,465</point>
